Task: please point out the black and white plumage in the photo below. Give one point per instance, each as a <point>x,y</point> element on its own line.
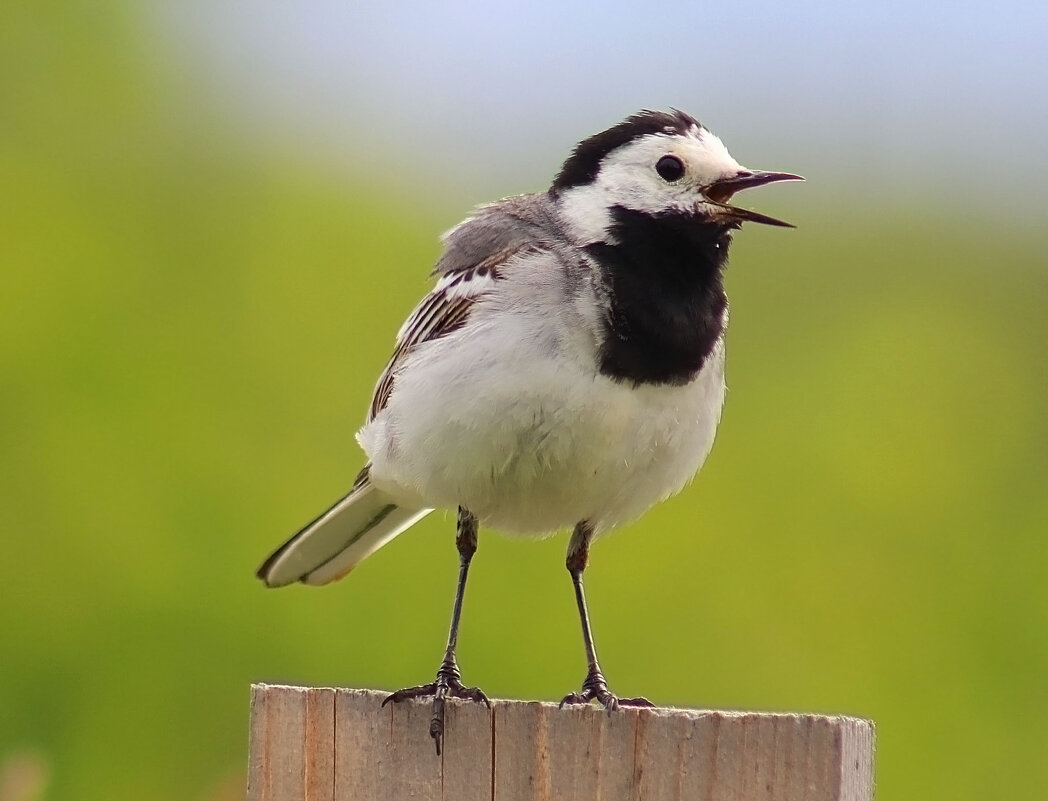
<point>566,370</point>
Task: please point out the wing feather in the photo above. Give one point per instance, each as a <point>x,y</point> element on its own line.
<point>445,309</point>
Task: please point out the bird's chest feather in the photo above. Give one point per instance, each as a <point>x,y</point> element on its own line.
<point>601,449</point>
<point>533,444</point>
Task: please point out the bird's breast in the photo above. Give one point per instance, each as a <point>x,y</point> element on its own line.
<point>533,442</point>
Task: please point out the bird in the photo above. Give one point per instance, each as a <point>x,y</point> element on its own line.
<point>566,370</point>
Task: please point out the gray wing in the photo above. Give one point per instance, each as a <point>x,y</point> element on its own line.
<point>504,227</point>
<point>476,255</point>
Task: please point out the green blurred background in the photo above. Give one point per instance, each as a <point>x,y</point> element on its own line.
<point>193,317</point>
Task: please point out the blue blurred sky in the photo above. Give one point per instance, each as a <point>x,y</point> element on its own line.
<point>935,100</point>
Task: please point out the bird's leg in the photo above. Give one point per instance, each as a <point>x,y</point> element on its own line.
<point>449,679</point>
<point>595,686</point>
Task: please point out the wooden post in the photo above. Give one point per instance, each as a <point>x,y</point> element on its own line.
<point>321,744</point>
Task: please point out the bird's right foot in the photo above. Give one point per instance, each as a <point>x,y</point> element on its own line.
<point>448,684</point>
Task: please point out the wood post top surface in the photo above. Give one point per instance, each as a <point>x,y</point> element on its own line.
<point>333,744</point>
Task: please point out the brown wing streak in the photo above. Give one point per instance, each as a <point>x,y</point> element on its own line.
<point>435,317</point>
<point>438,315</point>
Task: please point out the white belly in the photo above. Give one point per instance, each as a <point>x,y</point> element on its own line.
<point>533,444</point>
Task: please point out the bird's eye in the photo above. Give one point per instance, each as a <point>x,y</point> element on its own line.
<point>670,168</point>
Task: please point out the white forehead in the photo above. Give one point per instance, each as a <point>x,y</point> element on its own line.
<point>627,177</point>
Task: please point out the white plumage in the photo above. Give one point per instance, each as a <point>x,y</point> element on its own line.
<point>495,399</point>
<point>509,417</point>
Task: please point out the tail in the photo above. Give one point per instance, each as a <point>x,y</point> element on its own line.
<point>347,533</point>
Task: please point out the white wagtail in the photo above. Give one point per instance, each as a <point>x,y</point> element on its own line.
<point>566,371</point>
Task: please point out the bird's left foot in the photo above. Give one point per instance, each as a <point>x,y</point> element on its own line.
<point>447,685</point>
<point>595,687</point>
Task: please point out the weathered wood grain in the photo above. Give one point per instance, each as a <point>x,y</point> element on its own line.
<point>320,744</point>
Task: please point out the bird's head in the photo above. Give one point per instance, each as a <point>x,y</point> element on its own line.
<point>656,162</point>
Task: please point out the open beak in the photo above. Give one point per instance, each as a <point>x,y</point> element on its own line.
<point>720,192</point>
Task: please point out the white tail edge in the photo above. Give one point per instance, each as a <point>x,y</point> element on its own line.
<point>346,534</point>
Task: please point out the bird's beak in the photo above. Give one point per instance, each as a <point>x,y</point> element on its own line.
<point>720,192</point>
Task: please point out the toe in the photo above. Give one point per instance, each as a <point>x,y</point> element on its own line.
<point>640,702</point>
<point>422,691</point>
<point>476,695</point>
